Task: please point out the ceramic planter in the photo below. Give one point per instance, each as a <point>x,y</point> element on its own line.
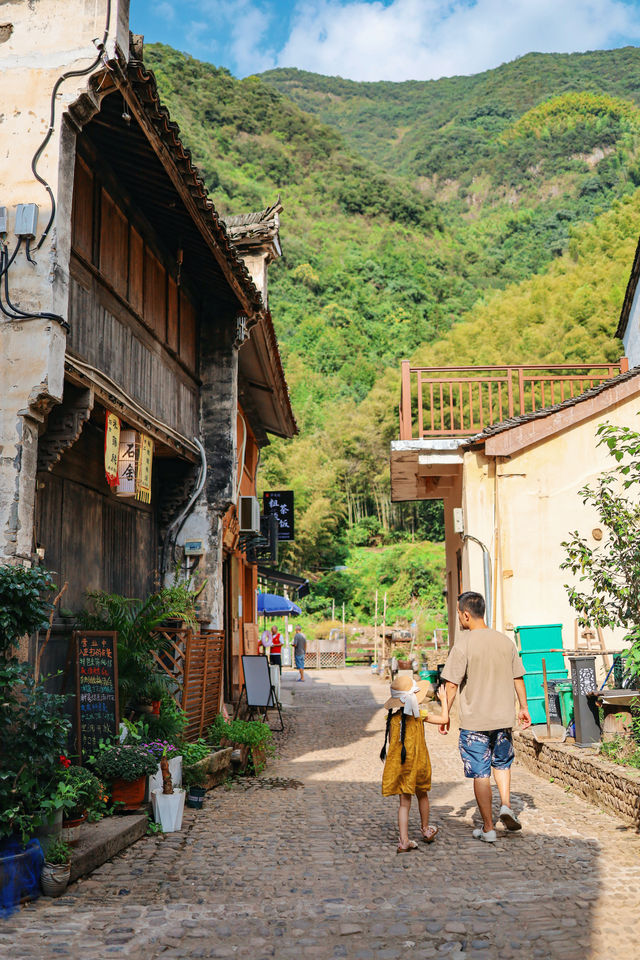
<point>168,809</point>
<point>175,769</point>
<point>129,792</point>
<point>71,828</point>
<point>195,797</point>
<point>54,878</point>
<point>49,831</point>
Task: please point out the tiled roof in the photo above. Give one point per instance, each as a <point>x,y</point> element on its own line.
<point>249,219</point>
<point>548,411</point>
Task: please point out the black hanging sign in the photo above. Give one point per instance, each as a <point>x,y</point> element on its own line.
<point>280,503</point>
<point>97,688</point>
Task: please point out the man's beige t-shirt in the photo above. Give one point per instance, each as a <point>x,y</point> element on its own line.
<point>484,664</point>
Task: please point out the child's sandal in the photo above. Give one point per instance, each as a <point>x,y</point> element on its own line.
<point>412,845</point>
<point>429,834</point>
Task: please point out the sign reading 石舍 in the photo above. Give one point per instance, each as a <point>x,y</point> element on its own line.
<point>280,504</point>
<point>96,688</point>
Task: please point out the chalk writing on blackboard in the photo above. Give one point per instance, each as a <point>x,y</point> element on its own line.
<point>97,689</point>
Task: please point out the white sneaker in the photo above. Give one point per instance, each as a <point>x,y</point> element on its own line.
<point>509,818</point>
<point>488,837</point>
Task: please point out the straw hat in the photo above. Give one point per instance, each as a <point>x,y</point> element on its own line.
<point>403,684</point>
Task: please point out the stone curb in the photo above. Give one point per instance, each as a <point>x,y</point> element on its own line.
<point>101,841</point>
<point>608,785</point>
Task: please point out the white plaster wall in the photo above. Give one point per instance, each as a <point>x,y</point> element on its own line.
<point>631,337</point>
<point>539,505</point>
<point>44,40</point>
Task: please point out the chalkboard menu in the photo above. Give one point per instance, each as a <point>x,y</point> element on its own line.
<point>97,688</point>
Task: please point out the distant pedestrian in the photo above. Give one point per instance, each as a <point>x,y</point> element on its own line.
<point>407,769</point>
<point>275,656</point>
<point>265,641</point>
<point>485,667</point>
<point>299,649</point>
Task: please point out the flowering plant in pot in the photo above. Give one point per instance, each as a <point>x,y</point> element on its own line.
<point>56,869</point>
<point>125,766</point>
<point>86,792</point>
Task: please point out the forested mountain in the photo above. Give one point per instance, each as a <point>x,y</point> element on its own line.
<point>470,219</point>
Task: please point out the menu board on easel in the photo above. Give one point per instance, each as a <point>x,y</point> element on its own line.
<point>97,689</point>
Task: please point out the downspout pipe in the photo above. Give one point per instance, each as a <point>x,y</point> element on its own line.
<point>486,565</point>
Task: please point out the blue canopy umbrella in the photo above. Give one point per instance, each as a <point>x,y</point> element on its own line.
<point>271,605</point>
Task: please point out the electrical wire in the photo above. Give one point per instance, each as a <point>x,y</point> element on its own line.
<point>49,133</point>
<point>17,313</point>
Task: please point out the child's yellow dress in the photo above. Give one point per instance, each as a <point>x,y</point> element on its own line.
<point>414,775</point>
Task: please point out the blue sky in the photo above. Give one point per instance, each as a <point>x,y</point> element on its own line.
<point>383,39</point>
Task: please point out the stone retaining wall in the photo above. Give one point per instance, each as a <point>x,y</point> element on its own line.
<point>610,786</point>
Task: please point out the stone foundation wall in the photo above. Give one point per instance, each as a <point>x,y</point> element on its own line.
<point>610,786</point>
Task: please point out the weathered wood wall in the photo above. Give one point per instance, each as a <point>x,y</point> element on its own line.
<point>128,315</point>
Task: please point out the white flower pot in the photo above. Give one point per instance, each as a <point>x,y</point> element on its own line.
<point>175,769</point>
<point>168,809</point>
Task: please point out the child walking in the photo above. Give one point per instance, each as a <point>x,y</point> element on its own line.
<point>407,769</point>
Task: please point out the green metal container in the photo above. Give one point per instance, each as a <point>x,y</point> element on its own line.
<point>565,692</point>
<point>535,644</point>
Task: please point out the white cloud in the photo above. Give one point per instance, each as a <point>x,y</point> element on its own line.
<point>244,25</point>
<point>424,39</point>
<point>166,11</point>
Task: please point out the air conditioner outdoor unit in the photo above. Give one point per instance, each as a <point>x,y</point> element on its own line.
<point>249,515</point>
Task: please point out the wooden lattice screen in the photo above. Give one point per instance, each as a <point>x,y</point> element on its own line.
<point>194,661</point>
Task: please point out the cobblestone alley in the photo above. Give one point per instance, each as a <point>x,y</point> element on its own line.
<point>303,863</point>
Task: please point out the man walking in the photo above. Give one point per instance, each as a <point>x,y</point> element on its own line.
<point>485,667</point>
<point>299,649</point>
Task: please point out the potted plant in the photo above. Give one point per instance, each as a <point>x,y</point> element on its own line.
<point>87,790</point>
<point>160,748</point>
<point>56,869</point>
<point>125,767</point>
<point>194,777</point>
<point>168,804</point>
<point>255,740</point>
<point>34,730</point>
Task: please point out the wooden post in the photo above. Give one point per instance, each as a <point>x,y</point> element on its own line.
<point>384,628</point>
<point>405,402</point>
<point>546,696</point>
<point>375,635</point>
<point>344,634</point>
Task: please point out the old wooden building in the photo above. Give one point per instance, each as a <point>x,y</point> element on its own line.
<point>133,303</point>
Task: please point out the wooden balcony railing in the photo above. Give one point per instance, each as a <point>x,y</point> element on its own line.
<point>461,401</point>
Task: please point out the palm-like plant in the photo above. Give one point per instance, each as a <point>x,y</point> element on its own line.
<point>137,623</point>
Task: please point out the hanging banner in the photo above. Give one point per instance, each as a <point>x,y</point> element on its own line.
<point>111,448</point>
<point>145,463</point>
<point>127,464</point>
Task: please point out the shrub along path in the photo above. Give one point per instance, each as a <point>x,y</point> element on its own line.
<point>303,863</point>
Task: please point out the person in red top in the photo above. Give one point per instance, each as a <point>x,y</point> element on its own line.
<point>275,651</point>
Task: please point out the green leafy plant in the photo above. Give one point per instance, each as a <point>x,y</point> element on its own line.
<point>171,722</point>
<point>124,762</point>
<point>58,852</point>
<point>24,606</point>
<point>194,776</point>
<point>610,571</point>
<point>193,752</point>
<point>137,623</point>
<point>86,788</point>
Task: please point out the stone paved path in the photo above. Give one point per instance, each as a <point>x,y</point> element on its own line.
<point>303,864</point>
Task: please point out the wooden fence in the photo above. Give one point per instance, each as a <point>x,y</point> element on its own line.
<point>461,401</point>
<point>194,662</point>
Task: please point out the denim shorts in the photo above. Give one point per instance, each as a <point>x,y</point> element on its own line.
<point>300,662</point>
<point>482,749</point>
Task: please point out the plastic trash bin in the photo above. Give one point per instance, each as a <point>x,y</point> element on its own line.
<point>430,675</point>
<point>565,692</point>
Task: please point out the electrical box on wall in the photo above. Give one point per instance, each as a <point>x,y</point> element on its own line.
<point>458,520</point>
<point>26,220</point>
<point>193,548</point>
<point>249,515</point>
<point>4,220</point>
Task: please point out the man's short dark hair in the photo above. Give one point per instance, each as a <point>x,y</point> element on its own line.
<point>472,603</point>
